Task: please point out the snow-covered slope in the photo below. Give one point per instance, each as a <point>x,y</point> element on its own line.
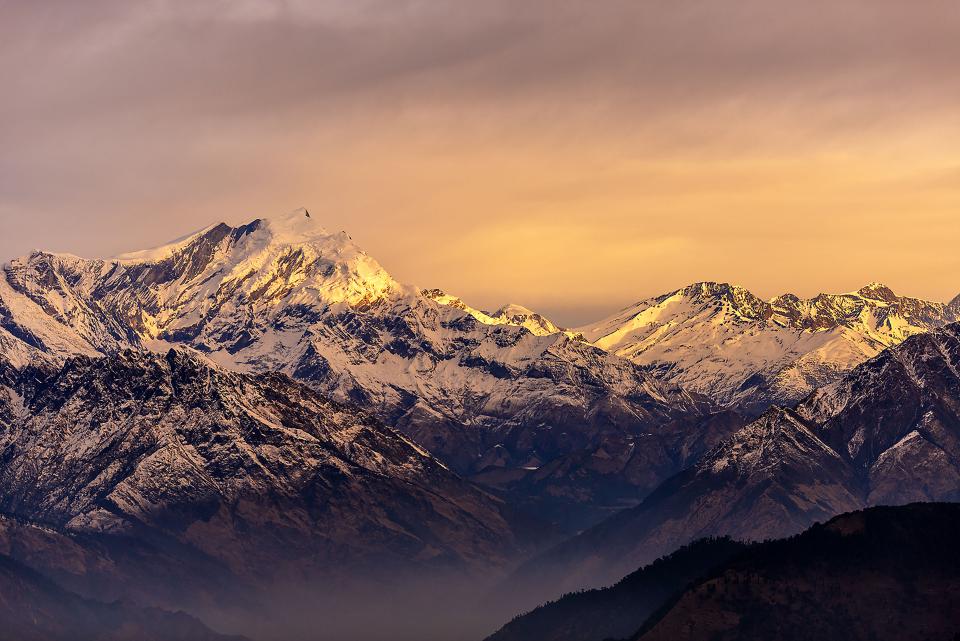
<point>722,341</point>
<point>507,390</point>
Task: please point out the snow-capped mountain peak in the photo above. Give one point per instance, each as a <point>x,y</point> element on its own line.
<point>714,291</point>
<point>292,257</point>
<point>723,341</point>
<point>216,286</point>
<point>290,228</point>
<point>288,259</point>
<point>636,328</point>
<point>295,225</point>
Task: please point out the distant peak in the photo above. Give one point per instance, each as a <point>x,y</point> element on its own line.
<point>877,291</point>
<point>735,299</point>
<point>785,299</point>
<point>441,297</point>
<point>513,309</point>
<point>711,288</point>
<point>708,290</point>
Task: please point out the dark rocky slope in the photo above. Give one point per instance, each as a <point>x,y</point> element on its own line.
<point>254,478</point>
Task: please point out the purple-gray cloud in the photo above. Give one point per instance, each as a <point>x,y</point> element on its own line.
<point>125,123</point>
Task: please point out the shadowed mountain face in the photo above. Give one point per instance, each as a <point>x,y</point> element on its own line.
<point>897,419</point>
<point>888,433</point>
<point>507,398</point>
<point>254,475</point>
<point>881,574</point>
<point>248,500</point>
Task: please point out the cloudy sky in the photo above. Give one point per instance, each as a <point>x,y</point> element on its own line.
<point>571,155</point>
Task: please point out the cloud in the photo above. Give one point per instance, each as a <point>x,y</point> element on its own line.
<point>123,123</point>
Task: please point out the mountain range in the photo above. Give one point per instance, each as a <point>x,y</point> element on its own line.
<point>483,392</point>
<point>724,342</point>
<point>258,409</point>
<point>508,398</point>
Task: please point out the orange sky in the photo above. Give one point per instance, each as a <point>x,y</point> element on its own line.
<point>572,156</point>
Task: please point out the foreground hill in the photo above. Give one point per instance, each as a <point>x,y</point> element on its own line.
<point>619,610</point>
<point>881,574</point>
<point>877,574</point>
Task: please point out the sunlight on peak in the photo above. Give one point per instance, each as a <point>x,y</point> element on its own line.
<point>295,225</point>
